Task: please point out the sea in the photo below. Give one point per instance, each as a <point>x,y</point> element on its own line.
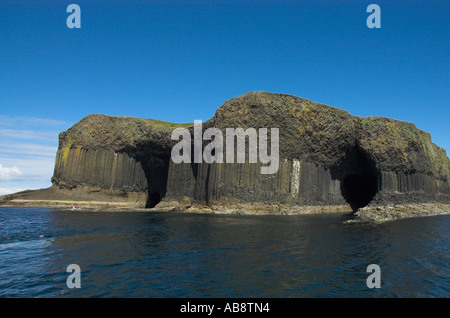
<point>184,255</point>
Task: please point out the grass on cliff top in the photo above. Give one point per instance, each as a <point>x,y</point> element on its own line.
<point>165,124</point>
<point>129,121</point>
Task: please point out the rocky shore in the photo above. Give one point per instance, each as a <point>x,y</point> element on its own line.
<point>367,214</point>
<point>400,211</point>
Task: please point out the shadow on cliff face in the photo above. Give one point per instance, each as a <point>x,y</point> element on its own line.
<point>358,176</point>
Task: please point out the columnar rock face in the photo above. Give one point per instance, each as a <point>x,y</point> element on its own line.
<point>110,154</point>
<point>327,157</point>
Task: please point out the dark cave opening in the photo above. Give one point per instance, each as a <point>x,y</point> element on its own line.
<point>359,178</point>
<point>359,189</point>
<point>155,165</point>
<point>153,199</point>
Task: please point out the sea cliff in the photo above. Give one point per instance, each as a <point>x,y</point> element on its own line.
<point>329,160</point>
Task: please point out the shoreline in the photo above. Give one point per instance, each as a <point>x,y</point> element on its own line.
<point>376,214</point>
<point>392,212</point>
<point>56,204</point>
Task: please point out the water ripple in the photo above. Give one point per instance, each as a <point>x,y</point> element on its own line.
<point>193,255</point>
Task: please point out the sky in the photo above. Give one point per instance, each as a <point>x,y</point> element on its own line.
<point>179,61</point>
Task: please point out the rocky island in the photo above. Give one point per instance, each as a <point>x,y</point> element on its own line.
<point>329,161</point>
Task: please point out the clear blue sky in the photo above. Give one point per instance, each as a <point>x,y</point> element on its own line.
<point>180,60</point>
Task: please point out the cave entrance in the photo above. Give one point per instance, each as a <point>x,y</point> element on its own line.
<point>359,178</point>
<point>359,189</point>
<point>153,199</point>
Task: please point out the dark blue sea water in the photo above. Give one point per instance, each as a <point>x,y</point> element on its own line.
<point>134,254</point>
